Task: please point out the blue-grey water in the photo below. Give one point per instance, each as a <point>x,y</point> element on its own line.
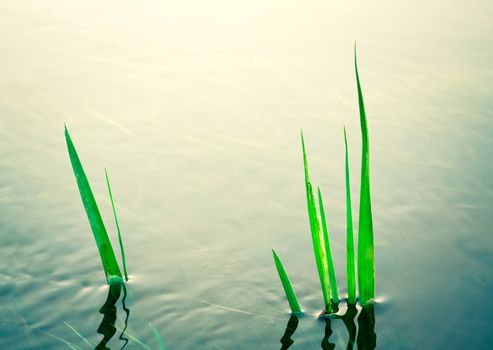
<point>195,109</point>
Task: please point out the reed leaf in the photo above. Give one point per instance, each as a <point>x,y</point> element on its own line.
<point>366,253</point>
<point>286,284</point>
<point>330,263</point>
<point>122,250</point>
<point>108,259</point>
<point>351,276</point>
<point>316,232</point>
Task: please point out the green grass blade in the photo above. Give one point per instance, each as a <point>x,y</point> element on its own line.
<point>286,284</point>
<point>110,265</point>
<point>366,253</point>
<point>330,262</point>
<point>317,237</point>
<point>122,250</point>
<point>351,276</point>
<point>159,341</point>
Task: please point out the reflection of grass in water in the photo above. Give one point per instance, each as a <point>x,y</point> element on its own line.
<point>363,336</point>
<point>320,232</point>
<point>108,325</point>
<point>286,340</point>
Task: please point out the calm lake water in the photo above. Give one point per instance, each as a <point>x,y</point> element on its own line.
<point>195,108</point>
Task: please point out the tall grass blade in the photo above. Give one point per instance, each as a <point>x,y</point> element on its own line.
<point>351,276</point>
<point>366,253</point>
<point>317,237</point>
<point>108,259</point>
<point>286,284</point>
<point>122,250</point>
<point>330,262</point>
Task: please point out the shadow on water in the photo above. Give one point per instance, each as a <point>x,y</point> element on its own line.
<point>363,335</point>
<point>107,327</point>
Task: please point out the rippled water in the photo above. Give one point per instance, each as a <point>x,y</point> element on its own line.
<point>195,108</point>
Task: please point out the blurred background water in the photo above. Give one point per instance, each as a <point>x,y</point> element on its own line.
<point>195,108</point>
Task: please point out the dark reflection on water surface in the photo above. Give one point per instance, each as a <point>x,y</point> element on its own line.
<point>367,339</point>
<point>286,340</point>
<point>109,310</point>
<point>364,335</point>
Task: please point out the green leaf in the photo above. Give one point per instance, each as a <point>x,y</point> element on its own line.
<point>108,259</point>
<point>351,276</point>
<point>330,262</point>
<point>286,284</point>
<point>122,250</point>
<point>366,253</point>
<point>317,237</point>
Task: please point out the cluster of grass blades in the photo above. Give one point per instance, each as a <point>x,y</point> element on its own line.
<point>110,265</point>
<point>320,232</point>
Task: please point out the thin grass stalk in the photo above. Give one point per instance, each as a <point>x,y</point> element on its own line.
<point>330,263</point>
<point>66,342</point>
<point>84,339</point>
<point>122,250</point>
<point>286,284</point>
<point>351,276</point>
<point>316,232</point>
<point>108,259</point>
<point>157,337</point>
<point>366,253</point>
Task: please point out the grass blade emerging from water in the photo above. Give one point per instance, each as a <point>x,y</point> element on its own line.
<point>124,261</point>
<point>286,284</point>
<point>108,259</point>
<point>351,276</point>
<point>317,238</point>
<point>366,253</point>
<point>330,262</point>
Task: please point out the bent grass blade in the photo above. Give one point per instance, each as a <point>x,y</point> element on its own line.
<point>122,250</point>
<point>366,253</point>
<point>286,284</point>
<point>108,259</point>
<point>351,276</point>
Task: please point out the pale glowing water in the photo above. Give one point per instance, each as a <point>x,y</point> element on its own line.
<point>195,108</point>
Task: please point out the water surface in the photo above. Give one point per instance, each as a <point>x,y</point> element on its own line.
<point>195,108</point>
